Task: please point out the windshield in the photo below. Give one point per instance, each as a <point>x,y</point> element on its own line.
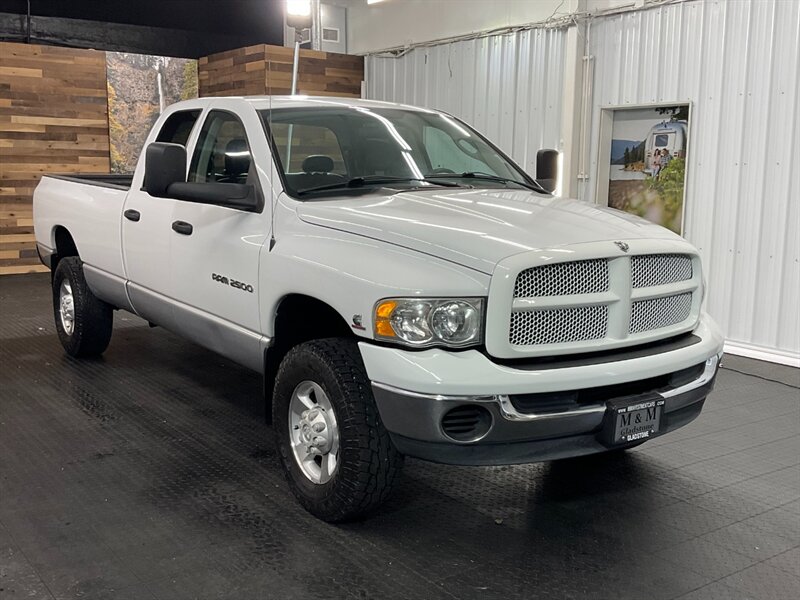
<point>330,149</point>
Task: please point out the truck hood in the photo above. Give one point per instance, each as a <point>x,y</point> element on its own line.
<point>477,228</point>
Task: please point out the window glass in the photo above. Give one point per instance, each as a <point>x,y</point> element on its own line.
<point>327,146</point>
<point>307,140</point>
<point>445,154</point>
<point>178,127</point>
<point>662,139</point>
<point>222,154</point>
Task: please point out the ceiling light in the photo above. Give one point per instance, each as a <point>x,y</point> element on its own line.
<point>298,8</point>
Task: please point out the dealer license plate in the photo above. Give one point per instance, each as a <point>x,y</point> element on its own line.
<point>632,421</point>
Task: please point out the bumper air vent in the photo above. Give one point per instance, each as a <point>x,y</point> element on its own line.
<point>466,423</point>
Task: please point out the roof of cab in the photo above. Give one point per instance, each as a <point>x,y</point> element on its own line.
<point>298,101</point>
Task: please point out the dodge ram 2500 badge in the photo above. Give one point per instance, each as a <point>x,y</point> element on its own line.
<point>401,284</point>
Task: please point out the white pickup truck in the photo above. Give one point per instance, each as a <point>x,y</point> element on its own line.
<point>402,285</point>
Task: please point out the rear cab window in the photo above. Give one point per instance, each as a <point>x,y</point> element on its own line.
<point>178,127</point>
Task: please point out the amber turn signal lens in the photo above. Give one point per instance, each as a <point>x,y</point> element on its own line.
<point>383,313</point>
<point>384,309</point>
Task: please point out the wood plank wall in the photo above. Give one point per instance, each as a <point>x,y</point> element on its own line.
<point>53,119</point>
<point>54,116</point>
<point>263,69</point>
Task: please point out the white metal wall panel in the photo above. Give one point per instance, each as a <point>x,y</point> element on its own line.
<point>738,63</point>
<point>509,86</point>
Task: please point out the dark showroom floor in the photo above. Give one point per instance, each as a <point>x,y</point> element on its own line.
<point>150,474</point>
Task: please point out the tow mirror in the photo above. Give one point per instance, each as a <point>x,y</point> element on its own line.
<point>164,164</point>
<point>547,169</point>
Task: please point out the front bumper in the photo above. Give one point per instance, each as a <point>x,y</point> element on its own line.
<point>433,382</point>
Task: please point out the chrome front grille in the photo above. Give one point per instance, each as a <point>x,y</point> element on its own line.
<point>657,313</point>
<point>558,326</point>
<point>659,269</point>
<point>563,279</point>
<point>576,306</point>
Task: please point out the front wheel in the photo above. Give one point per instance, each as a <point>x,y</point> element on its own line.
<point>83,321</point>
<point>337,457</point>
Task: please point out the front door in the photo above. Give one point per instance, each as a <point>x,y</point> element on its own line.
<point>215,249</point>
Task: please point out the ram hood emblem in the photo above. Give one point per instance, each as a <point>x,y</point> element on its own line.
<point>622,246</point>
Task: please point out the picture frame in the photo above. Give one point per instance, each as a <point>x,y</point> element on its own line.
<point>655,192</point>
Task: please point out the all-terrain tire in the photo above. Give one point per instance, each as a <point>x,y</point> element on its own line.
<point>368,463</point>
<point>93,319</point>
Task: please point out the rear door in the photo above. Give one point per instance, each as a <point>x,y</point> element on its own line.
<point>215,253</point>
<point>147,232</point>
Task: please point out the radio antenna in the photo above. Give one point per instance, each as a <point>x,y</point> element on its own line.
<point>271,141</point>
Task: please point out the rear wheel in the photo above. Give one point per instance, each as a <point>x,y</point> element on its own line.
<point>337,456</point>
<point>83,321</point>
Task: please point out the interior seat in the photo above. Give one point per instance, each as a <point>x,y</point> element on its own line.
<point>237,162</point>
<point>316,172</point>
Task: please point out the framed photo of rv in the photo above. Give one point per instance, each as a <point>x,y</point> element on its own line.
<point>642,161</point>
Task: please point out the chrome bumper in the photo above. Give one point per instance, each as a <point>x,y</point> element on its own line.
<point>509,412</point>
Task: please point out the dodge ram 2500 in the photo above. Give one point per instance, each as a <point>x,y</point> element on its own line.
<point>401,284</point>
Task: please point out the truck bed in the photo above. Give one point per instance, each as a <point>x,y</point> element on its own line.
<point>89,208</point>
<point>115,181</point>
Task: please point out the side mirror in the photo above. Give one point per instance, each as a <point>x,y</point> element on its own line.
<point>164,164</point>
<point>547,169</point>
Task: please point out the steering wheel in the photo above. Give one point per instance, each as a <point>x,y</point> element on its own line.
<point>443,171</point>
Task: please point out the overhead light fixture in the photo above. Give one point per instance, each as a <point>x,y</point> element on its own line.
<point>373,1</point>
<point>298,15</point>
<point>298,8</point>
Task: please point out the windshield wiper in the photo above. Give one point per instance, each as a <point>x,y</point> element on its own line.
<point>488,177</point>
<point>357,182</point>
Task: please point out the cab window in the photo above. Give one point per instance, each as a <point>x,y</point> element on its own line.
<point>222,154</point>
<point>178,127</point>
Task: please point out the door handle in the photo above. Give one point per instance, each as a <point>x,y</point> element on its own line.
<point>182,227</point>
<point>132,215</point>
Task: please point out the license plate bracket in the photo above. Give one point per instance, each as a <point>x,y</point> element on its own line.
<point>632,419</point>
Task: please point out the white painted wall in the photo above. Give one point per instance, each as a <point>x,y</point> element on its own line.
<point>393,23</point>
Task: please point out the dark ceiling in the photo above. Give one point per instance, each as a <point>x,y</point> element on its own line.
<point>178,27</point>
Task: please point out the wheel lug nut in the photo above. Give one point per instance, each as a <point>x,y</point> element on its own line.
<point>318,440</point>
<point>304,414</point>
<point>313,414</point>
<point>318,427</point>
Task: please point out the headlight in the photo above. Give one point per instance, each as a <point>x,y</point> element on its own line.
<point>420,322</point>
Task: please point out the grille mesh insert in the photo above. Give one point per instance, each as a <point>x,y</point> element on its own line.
<point>660,269</point>
<point>563,279</point>
<point>558,326</point>
<point>656,313</point>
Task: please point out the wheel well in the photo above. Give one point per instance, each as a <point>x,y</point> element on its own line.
<point>299,318</point>
<point>65,246</point>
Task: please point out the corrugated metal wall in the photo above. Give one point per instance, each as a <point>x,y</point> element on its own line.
<point>508,87</point>
<point>738,63</point>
